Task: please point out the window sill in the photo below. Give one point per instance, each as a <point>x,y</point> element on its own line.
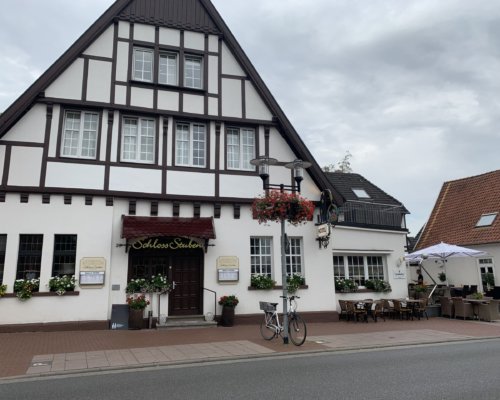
<point>358,291</point>
<point>177,88</point>
<point>277,287</point>
<point>44,294</point>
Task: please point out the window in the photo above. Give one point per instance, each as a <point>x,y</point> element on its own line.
<point>64,255</point>
<point>138,140</point>
<point>29,259</point>
<point>487,272</point>
<point>80,134</point>
<point>192,72</point>
<point>260,255</point>
<point>359,268</point>
<point>3,247</point>
<point>190,144</point>
<point>486,219</point>
<point>361,193</point>
<point>240,148</point>
<point>293,257</point>
<point>143,65</point>
<point>167,73</point>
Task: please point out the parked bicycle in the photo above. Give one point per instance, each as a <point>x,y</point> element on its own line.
<point>271,327</point>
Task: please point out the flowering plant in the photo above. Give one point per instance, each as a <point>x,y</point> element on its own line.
<point>229,301</point>
<point>345,285</point>
<point>137,302</point>
<point>294,281</point>
<point>157,283</point>
<point>3,290</point>
<point>262,281</point>
<point>24,288</point>
<point>62,284</point>
<point>277,206</point>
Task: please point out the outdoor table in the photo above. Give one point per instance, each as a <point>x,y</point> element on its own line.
<point>413,303</point>
<point>475,305</point>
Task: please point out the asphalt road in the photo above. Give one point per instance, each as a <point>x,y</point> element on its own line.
<point>452,371</point>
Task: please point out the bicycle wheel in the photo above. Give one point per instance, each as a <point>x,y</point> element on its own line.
<point>266,329</point>
<point>297,330</point>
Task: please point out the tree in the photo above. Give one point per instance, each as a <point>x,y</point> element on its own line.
<point>343,165</point>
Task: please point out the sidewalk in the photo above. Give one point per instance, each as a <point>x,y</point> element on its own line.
<point>41,353</point>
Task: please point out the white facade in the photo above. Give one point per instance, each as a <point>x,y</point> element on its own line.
<point>109,140</point>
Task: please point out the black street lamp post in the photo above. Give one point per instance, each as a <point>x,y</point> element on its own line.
<point>297,166</point>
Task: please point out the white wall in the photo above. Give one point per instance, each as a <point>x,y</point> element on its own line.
<point>31,127</point>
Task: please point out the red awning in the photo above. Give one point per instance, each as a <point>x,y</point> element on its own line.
<point>135,227</point>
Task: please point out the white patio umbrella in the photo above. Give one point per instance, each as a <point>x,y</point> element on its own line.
<point>441,251</point>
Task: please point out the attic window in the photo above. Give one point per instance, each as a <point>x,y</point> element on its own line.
<point>361,193</point>
<point>486,219</point>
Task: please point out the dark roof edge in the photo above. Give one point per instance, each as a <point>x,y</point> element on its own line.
<point>22,104</point>
<point>295,140</point>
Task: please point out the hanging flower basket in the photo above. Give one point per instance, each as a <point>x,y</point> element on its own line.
<point>277,206</point>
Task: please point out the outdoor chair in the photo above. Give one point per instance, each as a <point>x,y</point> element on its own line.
<point>401,310</point>
<point>447,308</point>
<point>357,310</point>
<point>344,312</point>
<point>462,308</point>
<point>389,308</point>
<point>489,312</point>
<point>378,311</point>
<point>421,309</point>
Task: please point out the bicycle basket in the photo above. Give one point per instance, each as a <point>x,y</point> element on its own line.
<point>267,307</point>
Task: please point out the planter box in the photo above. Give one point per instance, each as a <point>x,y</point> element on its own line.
<point>434,310</point>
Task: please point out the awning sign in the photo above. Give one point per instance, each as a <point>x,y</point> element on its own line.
<point>166,243</point>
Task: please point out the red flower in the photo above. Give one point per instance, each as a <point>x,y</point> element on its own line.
<point>277,206</point>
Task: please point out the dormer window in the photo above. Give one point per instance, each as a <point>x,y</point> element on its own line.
<point>361,193</point>
<point>486,219</point>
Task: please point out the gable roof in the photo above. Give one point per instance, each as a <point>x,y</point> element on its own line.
<point>345,182</point>
<point>197,15</point>
<point>458,208</point>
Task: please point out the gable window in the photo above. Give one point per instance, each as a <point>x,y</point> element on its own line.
<point>293,257</point>
<point>138,140</point>
<point>361,193</point>
<point>64,259</point>
<point>359,268</point>
<point>192,72</point>
<point>190,144</point>
<point>29,259</point>
<point>261,255</point>
<point>167,73</point>
<point>3,246</point>
<point>240,148</point>
<point>80,134</point>
<point>143,64</point>
<point>486,219</point>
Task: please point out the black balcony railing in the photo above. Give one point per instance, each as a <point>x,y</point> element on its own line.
<point>364,214</point>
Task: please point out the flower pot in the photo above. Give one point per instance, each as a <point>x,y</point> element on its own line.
<point>227,316</point>
<point>135,318</point>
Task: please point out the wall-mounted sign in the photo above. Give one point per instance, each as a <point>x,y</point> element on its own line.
<point>92,271</point>
<point>399,275</point>
<point>166,243</point>
<point>228,269</point>
<point>323,230</point>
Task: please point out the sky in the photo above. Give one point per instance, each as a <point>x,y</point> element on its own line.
<point>410,88</point>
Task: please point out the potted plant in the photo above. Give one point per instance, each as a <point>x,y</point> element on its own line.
<point>293,282</point>
<point>136,305</point>
<point>262,281</point>
<point>280,206</point>
<point>160,284</point>
<point>137,286</point>
<point>228,304</point>
<point>345,285</point>
<point>62,284</point>
<point>489,280</point>
<point>420,291</point>
<point>378,285</point>
<point>442,276</point>
<point>24,288</point>
<point>3,290</point>
<point>477,296</point>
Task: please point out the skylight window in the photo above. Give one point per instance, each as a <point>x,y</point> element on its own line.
<point>486,219</point>
<point>361,193</point>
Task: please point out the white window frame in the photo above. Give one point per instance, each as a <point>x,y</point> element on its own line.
<point>486,265</point>
<point>187,144</point>
<point>193,77</point>
<point>171,73</point>
<point>344,267</point>
<point>361,193</point>
<point>294,257</point>
<point>240,151</point>
<point>77,140</point>
<point>140,73</point>
<point>145,139</point>
<point>261,255</point>
<point>486,219</point>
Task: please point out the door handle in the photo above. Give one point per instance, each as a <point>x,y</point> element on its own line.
<point>173,285</point>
